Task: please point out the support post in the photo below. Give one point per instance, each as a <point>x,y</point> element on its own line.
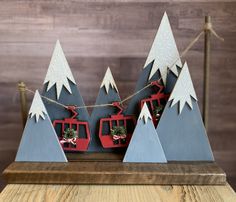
<point>23,102</point>
<point>207,48</point>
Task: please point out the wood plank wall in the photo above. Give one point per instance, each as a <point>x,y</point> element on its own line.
<point>118,34</point>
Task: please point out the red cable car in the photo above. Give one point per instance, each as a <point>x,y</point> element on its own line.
<point>113,122</point>
<point>77,143</point>
<point>155,100</point>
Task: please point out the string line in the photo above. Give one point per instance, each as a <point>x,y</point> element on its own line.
<point>137,92</point>
<point>46,98</point>
<point>207,27</point>
<point>65,106</point>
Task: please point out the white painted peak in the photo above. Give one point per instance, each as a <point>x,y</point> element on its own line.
<point>59,71</point>
<point>164,51</point>
<point>183,90</point>
<point>37,108</point>
<point>108,81</point>
<point>145,114</point>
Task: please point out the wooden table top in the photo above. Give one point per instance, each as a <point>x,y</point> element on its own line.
<point>103,193</point>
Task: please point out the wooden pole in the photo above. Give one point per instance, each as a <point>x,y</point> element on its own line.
<point>23,102</point>
<point>207,49</point>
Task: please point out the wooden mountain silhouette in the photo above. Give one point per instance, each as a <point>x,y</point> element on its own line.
<point>180,129</point>
<point>39,141</point>
<point>59,85</point>
<point>162,56</point>
<point>164,53</point>
<point>108,93</point>
<point>134,104</point>
<point>170,81</point>
<point>145,145</point>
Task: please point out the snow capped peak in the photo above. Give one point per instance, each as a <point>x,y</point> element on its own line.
<point>59,71</point>
<point>108,81</point>
<point>145,114</point>
<point>164,51</point>
<point>183,90</point>
<point>37,108</point>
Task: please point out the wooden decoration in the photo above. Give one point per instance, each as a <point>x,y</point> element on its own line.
<point>180,129</point>
<point>164,52</point>
<point>145,146</point>
<point>116,130</point>
<point>108,81</point>
<point>156,102</point>
<point>71,139</point>
<point>104,119</point>
<point>59,85</point>
<point>39,141</point>
<point>170,81</point>
<point>183,91</point>
<point>133,107</point>
<point>200,173</point>
<point>59,72</point>
<point>207,64</point>
<point>177,151</point>
<point>162,56</point>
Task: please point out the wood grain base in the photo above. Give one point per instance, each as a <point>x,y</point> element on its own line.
<point>113,173</point>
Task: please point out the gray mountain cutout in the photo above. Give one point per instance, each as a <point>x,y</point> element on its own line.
<point>145,146</point>
<point>108,93</point>
<point>180,129</point>
<point>39,142</point>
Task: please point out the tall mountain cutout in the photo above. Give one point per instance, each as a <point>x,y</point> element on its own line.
<point>164,51</point>
<point>162,61</point>
<point>60,85</point>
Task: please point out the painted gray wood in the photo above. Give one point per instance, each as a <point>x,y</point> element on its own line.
<point>39,142</point>
<point>181,130</point>
<point>170,81</point>
<point>145,146</point>
<point>183,136</point>
<point>60,85</point>
<point>134,104</point>
<point>29,33</point>
<point>58,112</point>
<point>163,57</point>
<point>101,112</point>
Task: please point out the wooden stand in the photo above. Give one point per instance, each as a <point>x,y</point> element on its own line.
<point>107,168</point>
<point>207,48</point>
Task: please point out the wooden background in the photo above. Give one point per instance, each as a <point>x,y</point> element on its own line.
<point>119,34</point>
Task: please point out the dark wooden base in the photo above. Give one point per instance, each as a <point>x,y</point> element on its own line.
<point>103,172</point>
<point>93,156</point>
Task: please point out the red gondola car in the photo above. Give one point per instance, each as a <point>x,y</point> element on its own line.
<point>119,120</point>
<point>74,144</point>
<point>155,100</point>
